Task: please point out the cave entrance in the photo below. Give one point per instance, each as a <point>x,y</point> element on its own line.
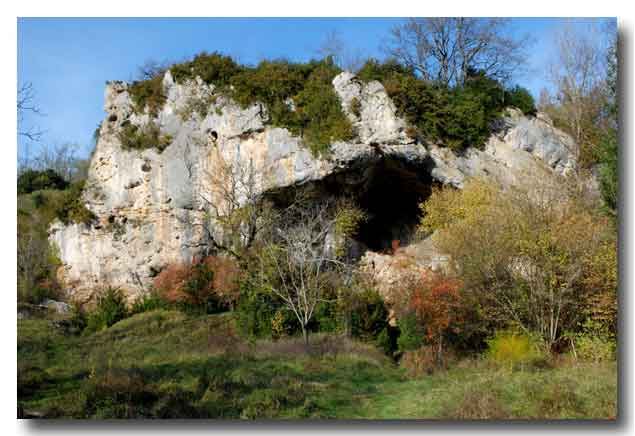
<point>391,196</point>
<point>389,190</point>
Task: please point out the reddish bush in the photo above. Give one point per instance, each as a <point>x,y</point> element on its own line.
<point>226,278</point>
<point>436,302</point>
<point>169,282</point>
<point>196,282</point>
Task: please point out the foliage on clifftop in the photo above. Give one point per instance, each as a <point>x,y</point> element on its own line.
<point>457,117</point>
<point>298,96</point>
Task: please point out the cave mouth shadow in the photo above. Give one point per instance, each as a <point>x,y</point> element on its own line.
<point>389,190</point>
<point>391,196</point>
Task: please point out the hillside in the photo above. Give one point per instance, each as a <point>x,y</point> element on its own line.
<point>164,364</point>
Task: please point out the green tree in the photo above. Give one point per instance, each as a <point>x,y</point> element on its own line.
<point>609,147</point>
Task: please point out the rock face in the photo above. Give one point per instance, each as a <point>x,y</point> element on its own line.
<point>149,204</point>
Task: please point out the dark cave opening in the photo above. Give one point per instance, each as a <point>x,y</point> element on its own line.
<point>389,190</point>
<point>391,197</point>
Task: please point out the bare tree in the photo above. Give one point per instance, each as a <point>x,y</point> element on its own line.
<point>26,134</point>
<point>152,68</point>
<point>300,260</point>
<point>345,57</point>
<point>26,104</point>
<point>444,49</point>
<point>236,212</point>
<point>61,158</point>
<point>577,73</point>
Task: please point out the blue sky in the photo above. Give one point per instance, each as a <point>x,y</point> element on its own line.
<point>69,60</point>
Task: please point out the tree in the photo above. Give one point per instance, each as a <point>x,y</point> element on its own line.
<point>609,146</point>
<point>334,46</point>
<point>236,213</point>
<point>577,74</point>
<point>436,302</point>
<point>527,261</point>
<point>26,105</point>
<point>152,68</point>
<point>33,180</point>
<point>61,158</point>
<point>296,263</point>
<point>443,49</point>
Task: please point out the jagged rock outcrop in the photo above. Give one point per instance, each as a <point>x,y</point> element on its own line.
<point>148,203</point>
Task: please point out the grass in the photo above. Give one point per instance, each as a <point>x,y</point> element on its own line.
<point>165,364</point>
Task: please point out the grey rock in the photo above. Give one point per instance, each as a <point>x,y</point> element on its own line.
<point>144,228</point>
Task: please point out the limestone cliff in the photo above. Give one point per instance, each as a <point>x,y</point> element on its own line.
<point>146,201</point>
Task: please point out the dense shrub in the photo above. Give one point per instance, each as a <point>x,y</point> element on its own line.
<point>457,117</point>
<point>261,315</point>
<point>271,83</point>
<point>213,68</point>
<point>512,348</point>
<point>208,285</point>
<point>35,180</point>
<point>110,308</point>
<point>71,208</point>
<point>411,333</point>
<point>594,347</point>
<point>148,94</point>
<point>297,96</point>
<point>148,302</point>
<point>321,120</point>
<point>133,137</point>
<point>540,256</point>
<point>608,158</point>
<point>382,71</point>
<point>521,98</point>
<point>369,317</point>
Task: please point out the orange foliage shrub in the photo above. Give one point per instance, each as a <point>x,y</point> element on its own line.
<point>226,278</point>
<point>436,301</point>
<point>169,282</point>
<point>195,282</point>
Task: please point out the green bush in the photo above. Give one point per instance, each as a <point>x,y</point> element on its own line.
<point>457,117</point>
<point>110,308</point>
<point>200,295</point>
<point>148,94</point>
<point>35,180</point>
<point>369,317</point>
<point>254,312</point>
<point>595,347</point>
<point>608,158</point>
<point>521,98</point>
<point>70,208</point>
<point>382,71</point>
<point>298,96</point>
<point>212,68</point>
<point>410,334</point>
<point>148,302</point>
<point>511,348</point>
<point>133,137</point>
<point>327,318</point>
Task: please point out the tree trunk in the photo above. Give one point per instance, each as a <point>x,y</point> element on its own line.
<point>305,335</point>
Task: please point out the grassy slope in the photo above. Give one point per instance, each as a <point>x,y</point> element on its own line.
<point>166,364</point>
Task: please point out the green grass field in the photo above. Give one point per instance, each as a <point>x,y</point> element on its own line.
<point>166,364</point>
